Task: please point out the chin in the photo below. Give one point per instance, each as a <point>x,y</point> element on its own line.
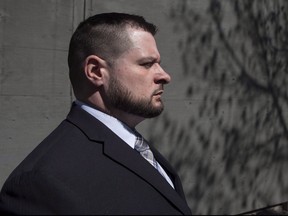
<point>158,104</point>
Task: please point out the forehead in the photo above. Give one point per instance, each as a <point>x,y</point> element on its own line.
<point>143,44</point>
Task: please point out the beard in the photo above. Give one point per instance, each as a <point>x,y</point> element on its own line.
<point>121,98</point>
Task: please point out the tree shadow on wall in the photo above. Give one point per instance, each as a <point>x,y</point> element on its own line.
<point>232,151</point>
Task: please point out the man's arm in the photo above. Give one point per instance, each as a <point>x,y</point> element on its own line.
<point>37,193</point>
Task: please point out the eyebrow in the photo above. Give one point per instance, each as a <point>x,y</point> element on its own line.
<point>149,59</point>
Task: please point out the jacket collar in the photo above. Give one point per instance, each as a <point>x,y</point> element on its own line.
<point>120,152</point>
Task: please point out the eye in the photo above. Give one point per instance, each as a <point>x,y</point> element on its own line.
<point>147,64</point>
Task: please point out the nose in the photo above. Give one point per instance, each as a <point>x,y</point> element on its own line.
<point>162,76</point>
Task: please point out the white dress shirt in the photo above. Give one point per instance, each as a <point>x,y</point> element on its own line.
<point>119,128</point>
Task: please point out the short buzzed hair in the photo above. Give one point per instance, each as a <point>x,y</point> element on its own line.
<point>104,35</point>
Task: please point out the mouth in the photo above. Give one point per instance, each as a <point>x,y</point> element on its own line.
<point>157,95</point>
<point>158,92</point>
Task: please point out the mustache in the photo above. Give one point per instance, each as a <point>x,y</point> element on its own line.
<point>159,91</point>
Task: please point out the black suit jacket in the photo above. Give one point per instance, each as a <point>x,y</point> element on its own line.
<point>82,167</point>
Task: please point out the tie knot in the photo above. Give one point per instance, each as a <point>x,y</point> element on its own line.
<point>144,150</point>
<point>140,144</point>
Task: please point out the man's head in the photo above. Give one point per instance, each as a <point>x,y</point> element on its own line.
<point>104,35</point>
<point>115,66</point>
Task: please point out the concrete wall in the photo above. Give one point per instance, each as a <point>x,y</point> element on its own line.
<point>224,169</point>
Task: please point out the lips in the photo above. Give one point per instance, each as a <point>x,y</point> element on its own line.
<point>158,92</point>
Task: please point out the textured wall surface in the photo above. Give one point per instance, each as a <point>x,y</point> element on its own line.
<point>224,127</point>
<point>34,86</point>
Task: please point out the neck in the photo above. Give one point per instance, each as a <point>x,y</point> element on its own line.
<point>129,119</point>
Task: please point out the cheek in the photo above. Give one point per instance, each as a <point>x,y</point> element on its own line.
<point>135,80</point>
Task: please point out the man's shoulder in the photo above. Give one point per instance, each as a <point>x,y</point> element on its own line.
<point>60,150</point>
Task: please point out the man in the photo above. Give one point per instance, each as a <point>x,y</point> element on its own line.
<point>94,161</point>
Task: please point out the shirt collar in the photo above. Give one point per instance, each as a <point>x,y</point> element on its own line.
<point>119,128</point>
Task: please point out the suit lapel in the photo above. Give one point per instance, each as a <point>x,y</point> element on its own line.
<point>132,160</point>
<point>120,152</point>
<point>175,178</point>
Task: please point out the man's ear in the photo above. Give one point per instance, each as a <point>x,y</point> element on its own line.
<point>95,69</point>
